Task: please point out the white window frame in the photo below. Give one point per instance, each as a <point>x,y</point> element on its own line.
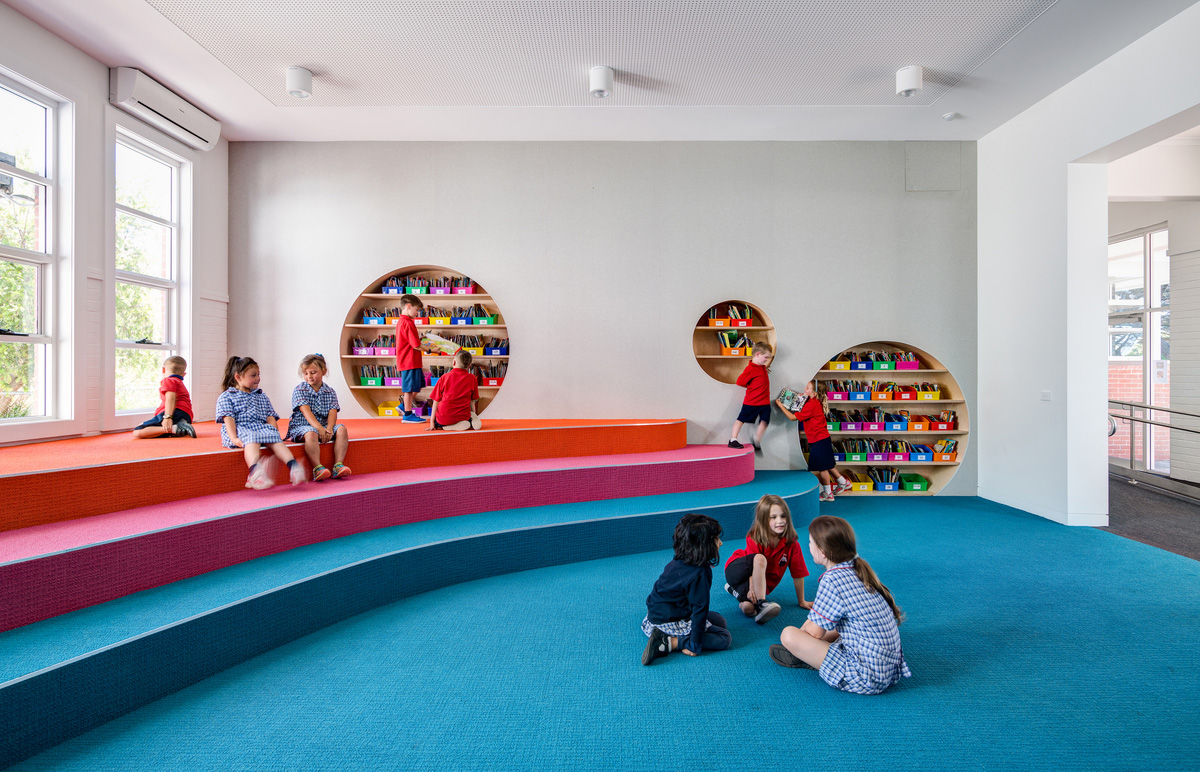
<point>1146,313</point>
<point>54,395</point>
<point>176,313</point>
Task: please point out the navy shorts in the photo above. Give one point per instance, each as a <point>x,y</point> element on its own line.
<point>412,380</point>
<point>177,415</point>
<point>820,455</point>
<point>752,413</point>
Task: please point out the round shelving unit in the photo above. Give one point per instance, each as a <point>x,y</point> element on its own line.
<point>708,349</point>
<point>371,396</point>
<point>950,397</point>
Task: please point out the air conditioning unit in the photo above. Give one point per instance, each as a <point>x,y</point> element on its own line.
<point>138,94</point>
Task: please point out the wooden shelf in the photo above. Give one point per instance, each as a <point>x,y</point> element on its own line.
<point>424,358</point>
<point>425,298</point>
<point>369,397</point>
<point>899,463</point>
<point>707,351</point>
<point>905,402</point>
<point>426,388</point>
<point>937,473</point>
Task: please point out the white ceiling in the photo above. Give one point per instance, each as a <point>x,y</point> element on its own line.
<point>686,69</point>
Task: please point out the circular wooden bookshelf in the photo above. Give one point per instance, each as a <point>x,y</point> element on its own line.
<point>725,367</point>
<point>949,397</point>
<point>371,396</point>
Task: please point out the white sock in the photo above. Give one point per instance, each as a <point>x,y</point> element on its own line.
<point>827,489</point>
<point>842,481</point>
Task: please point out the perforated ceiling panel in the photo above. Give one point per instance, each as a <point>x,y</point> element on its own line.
<point>664,52</point>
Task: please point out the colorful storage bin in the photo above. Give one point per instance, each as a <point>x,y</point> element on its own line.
<point>837,366</point>
<point>891,487</point>
<point>914,482</point>
<point>363,351</point>
<point>493,319</point>
<point>370,381</point>
<point>375,320</point>
<point>495,352</point>
<point>883,365</point>
<point>417,290</point>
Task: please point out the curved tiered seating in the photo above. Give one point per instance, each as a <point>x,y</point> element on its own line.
<point>69,479</point>
<point>61,676</point>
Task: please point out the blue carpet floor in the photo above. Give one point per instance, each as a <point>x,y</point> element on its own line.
<point>1033,647</point>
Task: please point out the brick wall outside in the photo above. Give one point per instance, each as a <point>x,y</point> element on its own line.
<point>1125,383</point>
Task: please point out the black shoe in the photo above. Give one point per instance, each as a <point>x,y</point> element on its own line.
<point>184,429</point>
<point>659,645</point>
<point>767,610</point>
<point>781,656</point>
<point>735,445</point>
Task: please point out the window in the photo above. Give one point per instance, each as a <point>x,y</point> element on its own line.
<point>27,125</point>
<point>147,270</point>
<point>1139,334</point>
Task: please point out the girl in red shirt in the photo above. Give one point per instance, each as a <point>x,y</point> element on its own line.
<point>820,445</point>
<point>771,547</point>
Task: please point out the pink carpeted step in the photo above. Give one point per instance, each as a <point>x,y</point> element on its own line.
<point>51,569</point>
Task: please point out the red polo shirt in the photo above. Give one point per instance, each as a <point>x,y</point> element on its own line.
<point>758,385</point>
<point>453,394</point>
<point>408,344</point>
<point>812,419</point>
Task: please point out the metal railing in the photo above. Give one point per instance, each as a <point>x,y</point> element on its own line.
<point>1132,419</point>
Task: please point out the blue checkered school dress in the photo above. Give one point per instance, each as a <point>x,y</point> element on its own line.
<point>320,402</point>
<point>250,411</point>
<point>867,657</point>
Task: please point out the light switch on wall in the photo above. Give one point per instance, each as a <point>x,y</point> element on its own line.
<point>1045,396</point>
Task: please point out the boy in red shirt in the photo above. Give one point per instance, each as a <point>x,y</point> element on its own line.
<point>408,355</point>
<point>174,415</point>
<point>757,404</point>
<point>454,397</point>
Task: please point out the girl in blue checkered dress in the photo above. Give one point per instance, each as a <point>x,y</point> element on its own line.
<point>314,419</point>
<point>852,634</point>
<point>248,421</point>
<point>677,615</point>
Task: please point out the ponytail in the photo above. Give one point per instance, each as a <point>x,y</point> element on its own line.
<point>835,538</point>
<point>235,367</point>
<point>867,576</point>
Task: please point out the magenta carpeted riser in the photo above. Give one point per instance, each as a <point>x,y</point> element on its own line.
<point>43,587</point>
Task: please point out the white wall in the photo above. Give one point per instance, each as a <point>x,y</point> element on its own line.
<point>1042,314</point>
<point>602,256</point>
<point>84,297</point>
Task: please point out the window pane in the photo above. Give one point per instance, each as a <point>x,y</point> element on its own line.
<point>1125,338</point>
<point>1126,288</point>
<point>22,380</point>
<point>143,183</point>
<point>141,313</point>
<point>138,372</point>
<point>22,132</point>
<point>143,247</point>
<point>18,297</point>
<point>1160,270</point>
<point>22,214</point>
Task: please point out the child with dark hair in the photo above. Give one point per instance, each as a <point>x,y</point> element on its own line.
<point>249,422</point>
<point>677,615</point>
<point>851,636</point>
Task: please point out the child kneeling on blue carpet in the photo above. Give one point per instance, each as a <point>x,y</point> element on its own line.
<point>677,615</point>
<point>851,636</point>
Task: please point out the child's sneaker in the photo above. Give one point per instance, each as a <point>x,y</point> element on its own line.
<point>184,429</point>
<point>659,645</point>
<point>781,656</point>
<point>825,496</point>
<point>321,473</point>
<point>260,478</point>
<point>340,471</point>
<point>842,487</point>
<point>296,473</point>
<point>413,418</point>
<point>735,445</point>
<point>767,610</point>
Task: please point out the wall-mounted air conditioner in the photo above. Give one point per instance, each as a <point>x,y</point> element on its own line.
<point>138,94</point>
